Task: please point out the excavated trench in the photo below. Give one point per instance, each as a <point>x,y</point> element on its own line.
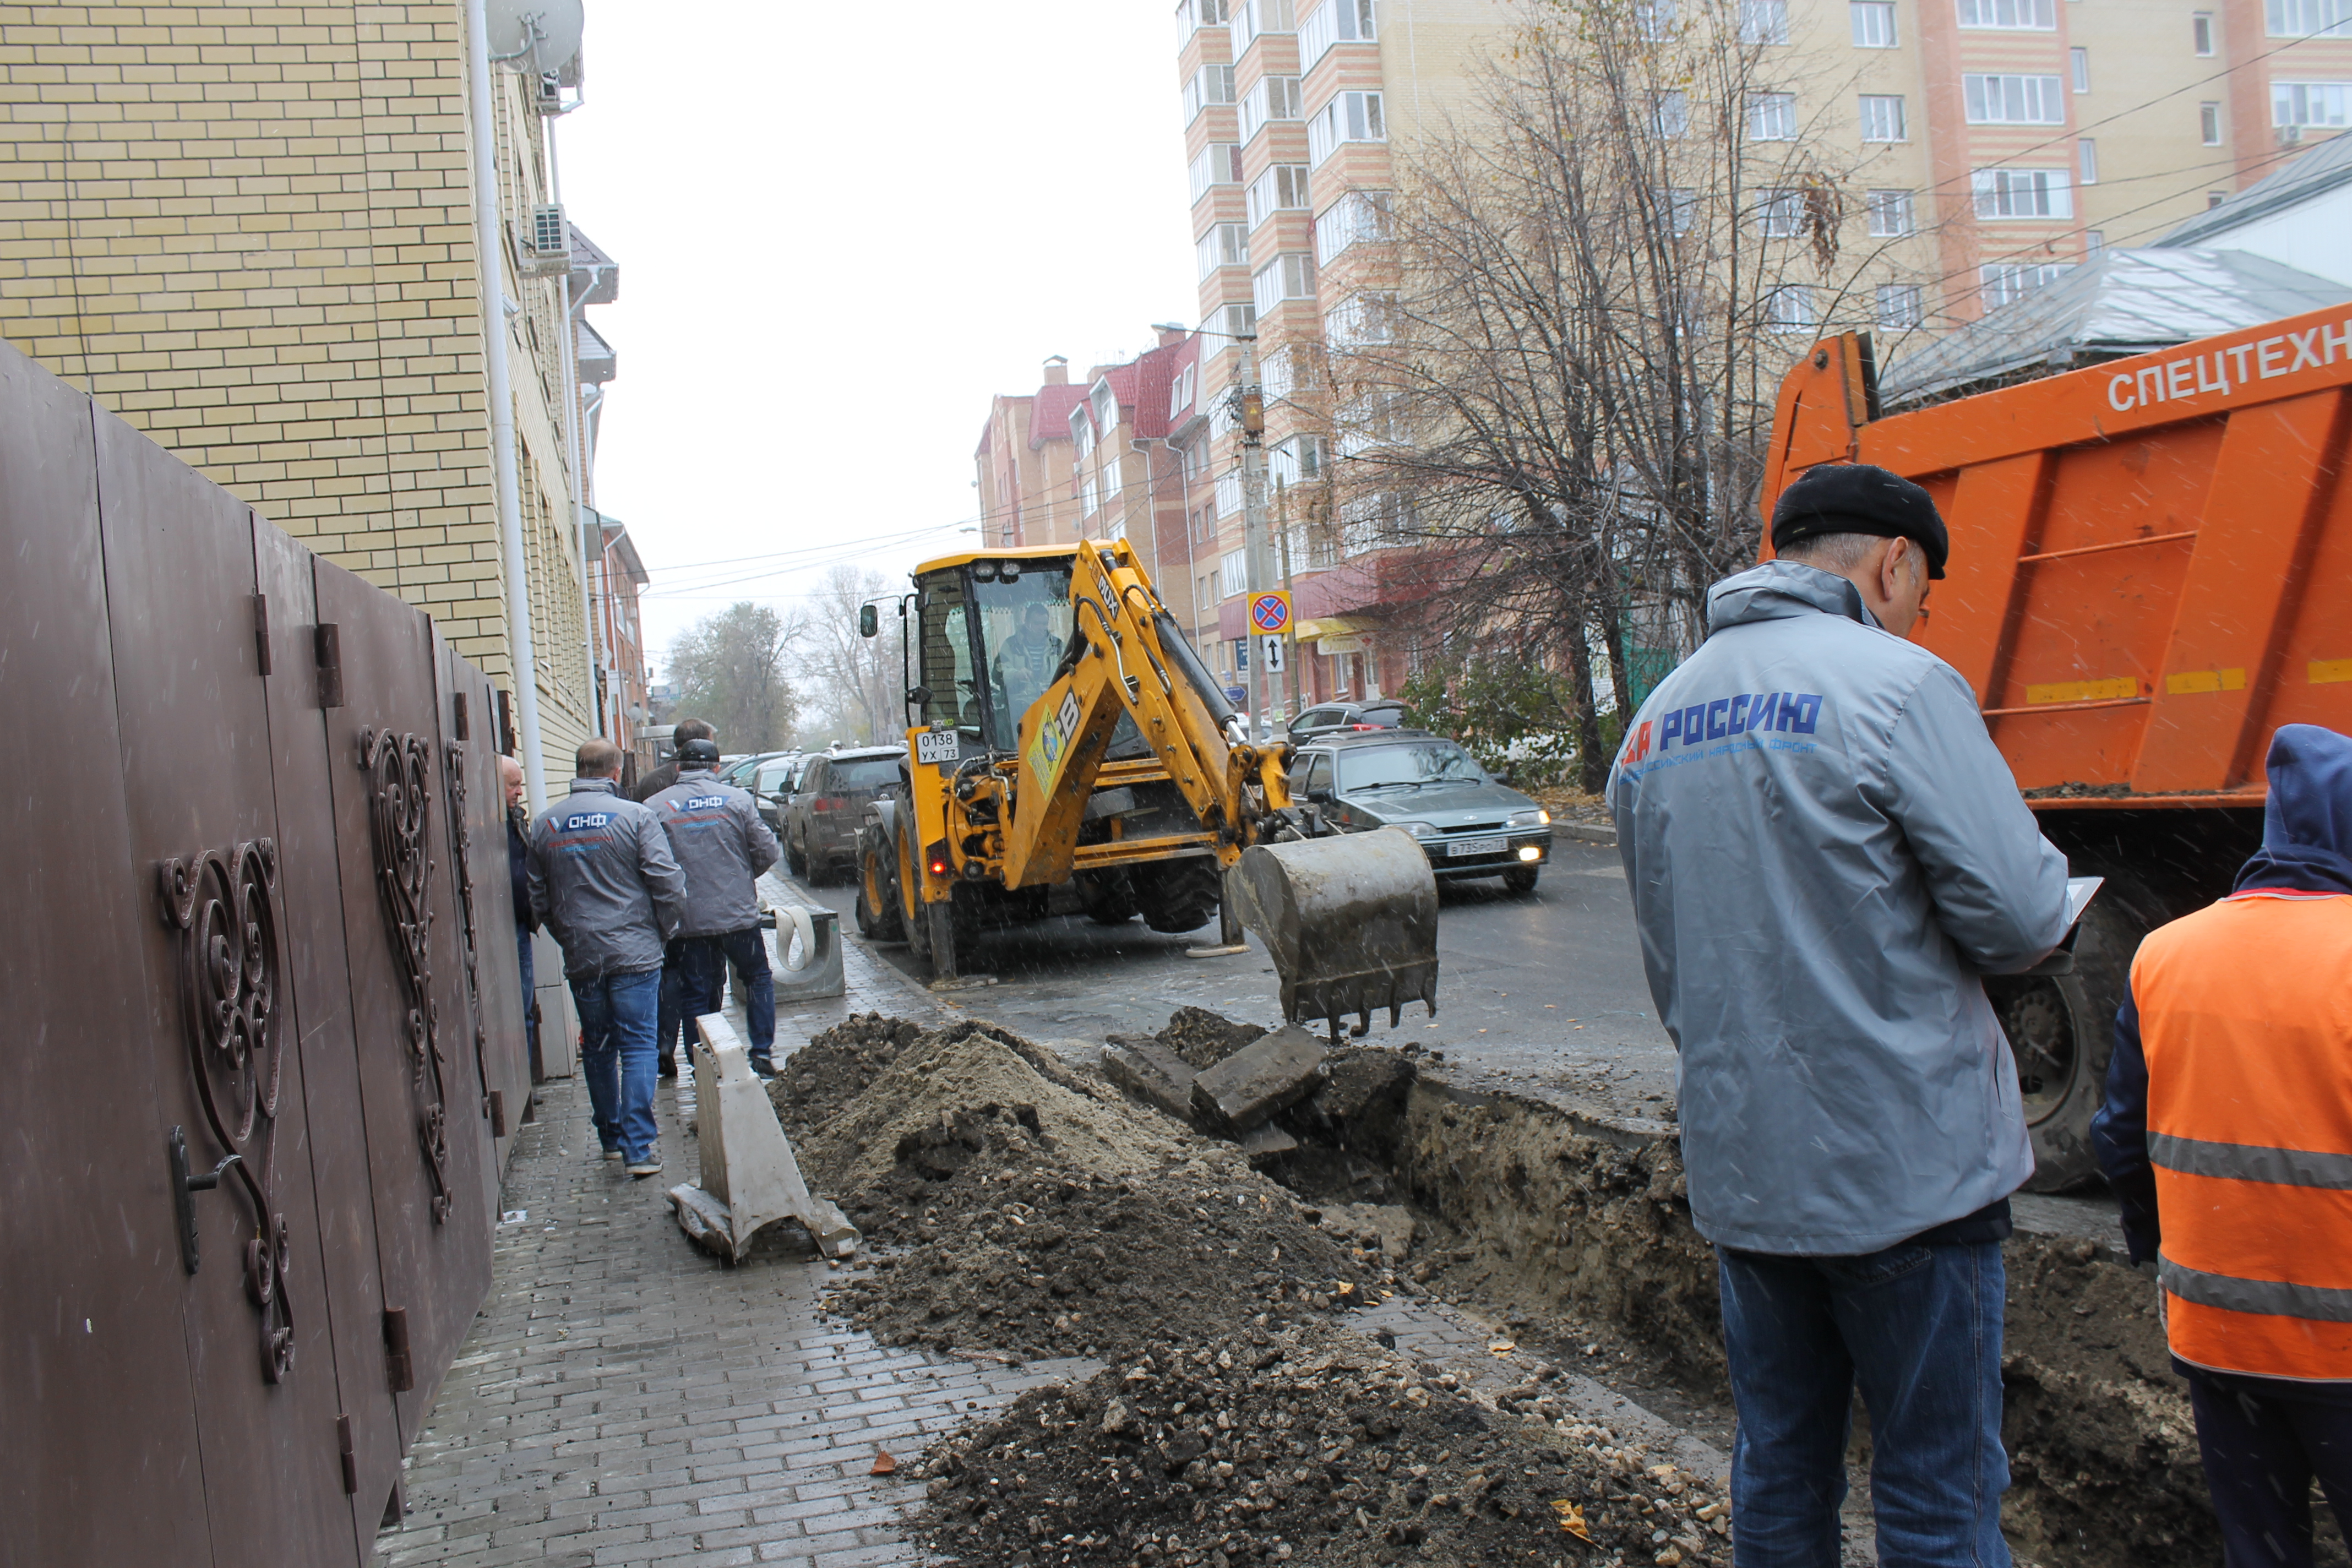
<point>1555,1215</point>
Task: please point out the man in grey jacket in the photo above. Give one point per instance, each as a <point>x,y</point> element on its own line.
<point>723,846</point>
<point>603,878</point>
<point>1825,852</point>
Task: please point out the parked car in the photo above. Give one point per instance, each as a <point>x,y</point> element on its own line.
<point>771,784</point>
<point>1330,718</point>
<point>821,815</point>
<point>1469,823</point>
<point>740,771</point>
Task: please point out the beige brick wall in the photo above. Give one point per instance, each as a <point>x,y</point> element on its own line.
<point>249,230</point>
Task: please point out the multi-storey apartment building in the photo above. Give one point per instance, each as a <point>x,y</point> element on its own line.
<point>622,678</point>
<point>1022,464</point>
<point>1986,144</point>
<point>251,232</point>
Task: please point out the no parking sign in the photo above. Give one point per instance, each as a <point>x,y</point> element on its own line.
<point>1270,613</point>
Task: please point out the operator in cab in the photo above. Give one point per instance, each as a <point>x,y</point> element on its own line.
<point>1024,665</point>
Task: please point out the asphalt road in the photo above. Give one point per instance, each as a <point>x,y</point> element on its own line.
<point>1541,994</point>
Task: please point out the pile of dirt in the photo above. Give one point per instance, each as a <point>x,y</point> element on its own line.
<point>1305,1443</point>
<point>1018,1205</point>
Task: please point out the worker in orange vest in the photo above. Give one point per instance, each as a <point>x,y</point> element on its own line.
<point>2227,1134</point>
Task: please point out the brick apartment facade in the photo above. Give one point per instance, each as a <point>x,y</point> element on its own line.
<point>249,230</point>
<point>1995,143</point>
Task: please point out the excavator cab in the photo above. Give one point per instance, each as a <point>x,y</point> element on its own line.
<point>992,631</point>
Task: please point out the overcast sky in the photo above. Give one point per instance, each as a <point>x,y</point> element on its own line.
<point>841,228</point>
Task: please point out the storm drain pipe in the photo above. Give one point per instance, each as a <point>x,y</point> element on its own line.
<point>499,392</point>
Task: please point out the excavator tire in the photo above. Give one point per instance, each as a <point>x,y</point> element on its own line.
<point>878,917</point>
<point>1109,896</point>
<point>1176,895</point>
<point>2061,1030</point>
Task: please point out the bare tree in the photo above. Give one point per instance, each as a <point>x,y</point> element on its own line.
<point>1563,385</point>
<point>851,683</point>
<point>730,669</point>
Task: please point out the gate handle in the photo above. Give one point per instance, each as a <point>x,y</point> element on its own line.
<point>186,1184</point>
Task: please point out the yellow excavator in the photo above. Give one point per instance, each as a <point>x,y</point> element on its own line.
<point>1069,750</point>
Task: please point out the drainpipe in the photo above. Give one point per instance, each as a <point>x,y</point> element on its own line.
<point>497,390</point>
<point>574,441</point>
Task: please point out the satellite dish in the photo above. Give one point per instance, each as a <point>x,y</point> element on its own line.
<point>536,34</point>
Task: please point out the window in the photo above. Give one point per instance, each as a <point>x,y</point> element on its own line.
<point>1210,84</point>
<point>1277,372</point>
<point>2200,32</point>
<point>1254,18</point>
<point>1882,117</point>
<point>2094,240</point>
<point>1779,214</point>
<point>1280,189</point>
<point>1233,566</point>
<point>2307,18</point>
<point>1654,19</point>
<point>1335,22</point>
<point>2324,103</point>
<point>1105,404</point>
<point>2005,282</point>
<point>2080,58</point>
<point>1355,218</point>
<point>1180,395</point>
<point>1273,98</point>
<point>2022,193</point>
<point>2036,15</point>
<point>1890,213</point>
<point>1771,117</point>
<point>1298,460</point>
<point>1348,117</point>
<point>1671,111</point>
<point>1225,245</point>
<point>1290,275</point>
<point>1790,309</point>
<point>1089,498</point>
<point>1361,319</point>
<point>1680,204</point>
<point>1192,16</point>
<point>1227,322</point>
<point>1763,21</point>
<point>2012,100</point>
<point>1873,23</point>
<point>2215,198</point>
<point>2087,162</point>
<point>2209,124</point>
<point>1899,306</point>
<point>1082,433</point>
<point>1220,164</point>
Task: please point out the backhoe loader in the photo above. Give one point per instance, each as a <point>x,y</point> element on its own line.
<point>1067,747</point>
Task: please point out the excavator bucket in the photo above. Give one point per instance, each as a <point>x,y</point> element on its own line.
<point>1351,922</point>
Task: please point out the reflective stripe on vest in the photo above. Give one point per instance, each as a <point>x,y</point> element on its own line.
<point>2246,1018</point>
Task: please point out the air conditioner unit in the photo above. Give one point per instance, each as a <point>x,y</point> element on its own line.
<point>2290,135</point>
<point>544,248</point>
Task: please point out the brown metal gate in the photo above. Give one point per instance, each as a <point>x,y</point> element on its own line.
<point>264,1029</point>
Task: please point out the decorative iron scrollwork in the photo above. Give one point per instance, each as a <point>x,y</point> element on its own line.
<point>400,807</point>
<point>223,905</point>
<point>453,758</point>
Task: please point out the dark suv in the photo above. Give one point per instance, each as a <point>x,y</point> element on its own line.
<point>1341,718</point>
<point>1469,824</point>
<point>820,820</point>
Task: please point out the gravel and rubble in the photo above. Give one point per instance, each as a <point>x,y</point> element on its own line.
<point>1302,1442</point>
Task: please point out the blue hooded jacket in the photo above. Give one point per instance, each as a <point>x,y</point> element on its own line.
<point>2306,847</point>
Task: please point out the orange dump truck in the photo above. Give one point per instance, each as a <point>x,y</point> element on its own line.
<point>2151,571</point>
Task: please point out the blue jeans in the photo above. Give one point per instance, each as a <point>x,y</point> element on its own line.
<point>705,960</point>
<point>1918,1328</point>
<point>616,1057</point>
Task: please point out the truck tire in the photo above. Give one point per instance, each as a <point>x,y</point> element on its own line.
<point>1175,896</point>
<point>879,918</point>
<point>2062,1030</point>
<point>1109,896</point>
<point>795,856</point>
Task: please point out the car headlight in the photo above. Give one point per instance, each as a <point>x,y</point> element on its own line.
<point>1418,829</point>
<point>1535,818</point>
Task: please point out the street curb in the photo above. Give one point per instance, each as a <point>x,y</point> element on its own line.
<point>1590,833</point>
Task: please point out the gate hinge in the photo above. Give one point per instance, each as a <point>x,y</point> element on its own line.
<point>328,640</point>
<point>261,632</point>
<point>398,1368</point>
<point>497,1108</point>
<point>350,1455</point>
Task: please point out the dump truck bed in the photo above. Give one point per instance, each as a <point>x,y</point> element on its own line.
<point>2151,562</point>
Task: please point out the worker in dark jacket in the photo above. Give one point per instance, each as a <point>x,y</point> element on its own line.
<point>519,874</point>
<point>723,846</point>
<point>603,878</point>
<point>1825,852</point>
<point>672,1020</point>
<point>2227,1135</point>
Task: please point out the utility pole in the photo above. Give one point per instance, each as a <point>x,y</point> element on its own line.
<point>1292,679</point>
<point>1251,401</point>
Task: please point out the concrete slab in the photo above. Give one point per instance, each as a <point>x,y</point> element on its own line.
<point>1272,1073</point>
<point>1145,1068</point>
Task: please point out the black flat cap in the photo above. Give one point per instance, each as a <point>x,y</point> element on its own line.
<point>1859,498</point>
<point>705,753</point>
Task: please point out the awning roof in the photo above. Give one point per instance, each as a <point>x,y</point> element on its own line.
<point>2296,181</point>
<point>1331,626</point>
<point>2125,302</point>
